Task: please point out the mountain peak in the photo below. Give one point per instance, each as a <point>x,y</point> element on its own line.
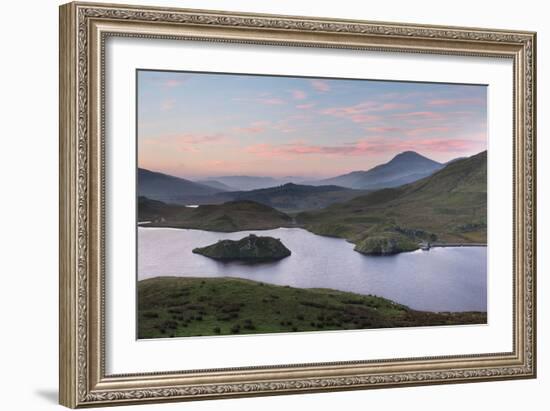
<point>408,154</point>
<point>412,157</point>
<point>404,168</point>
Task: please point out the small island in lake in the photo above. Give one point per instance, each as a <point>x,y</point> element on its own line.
<point>251,248</point>
<point>381,245</point>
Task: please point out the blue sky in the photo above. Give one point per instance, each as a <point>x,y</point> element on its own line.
<point>198,125</point>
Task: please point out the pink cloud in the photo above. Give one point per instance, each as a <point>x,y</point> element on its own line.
<point>410,132</point>
<point>392,106</point>
<point>455,102</point>
<point>218,163</point>
<point>288,124</point>
<point>362,112</point>
<point>321,86</point>
<point>269,150</point>
<point>420,131</point>
<point>433,119</point>
<point>368,147</point>
<point>270,101</point>
<point>298,116</point>
<point>197,138</point>
<point>400,96</point>
<point>384,129</point>
<point>284,127</point>
<point>365,107</point>
<point>441,145</point>
<point>171,83</point>
<point>187,142</point>
<point>305,106</point>
<point>253,128</point>
<point>346,111</point>
<point>298,94</point>
<point>364,118</point>
<point>263,99</point>
<point>420,115</point>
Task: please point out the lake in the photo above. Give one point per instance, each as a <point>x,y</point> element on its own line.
<point>441,279</point>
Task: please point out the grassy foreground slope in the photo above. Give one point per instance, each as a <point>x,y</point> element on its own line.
<point>180,307</point>
<point>227,217</point>
<point>449,206</point>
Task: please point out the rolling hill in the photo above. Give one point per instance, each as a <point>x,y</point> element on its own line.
<point>241,183</point>
<point>192,306</point>
<point>167,188</point>
<point>448,206</point>
<point>227,217</point>
<point>404,168</point>
<point>294,197</point>
<point>216,184</point>
<point>287,197</point>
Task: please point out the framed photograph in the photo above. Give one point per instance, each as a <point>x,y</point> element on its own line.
<point>259,204</point>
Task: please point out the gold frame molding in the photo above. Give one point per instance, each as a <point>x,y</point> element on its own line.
<point>84,27</point>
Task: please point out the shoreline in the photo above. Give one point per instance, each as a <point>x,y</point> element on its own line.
<point>148,224</point>
<point>439,245</point>
<point>172,227</point>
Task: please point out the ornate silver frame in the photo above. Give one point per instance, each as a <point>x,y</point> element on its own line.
<point>83,30</point>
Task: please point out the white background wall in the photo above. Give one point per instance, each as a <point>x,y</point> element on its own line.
<point>28,206</point>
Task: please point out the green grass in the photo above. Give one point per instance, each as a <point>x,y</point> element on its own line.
<point>228,217</point>
<point>292,198</point>
<point>183,307</point>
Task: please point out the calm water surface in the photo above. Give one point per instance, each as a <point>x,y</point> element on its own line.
<point>442,279</point>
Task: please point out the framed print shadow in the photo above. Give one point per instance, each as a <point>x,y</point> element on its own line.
<point>259,204</point>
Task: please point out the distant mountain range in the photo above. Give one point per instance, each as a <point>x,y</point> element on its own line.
<point>216,184</point>
<point>404,168</point>
<point>284,193</point>
<point>287,197</point>
<point>170,189</point>
<point>246,183</point>
<point>241,183</point>
<point>448,206</point>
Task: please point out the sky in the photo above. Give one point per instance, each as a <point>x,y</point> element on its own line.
<point>202,125</point>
